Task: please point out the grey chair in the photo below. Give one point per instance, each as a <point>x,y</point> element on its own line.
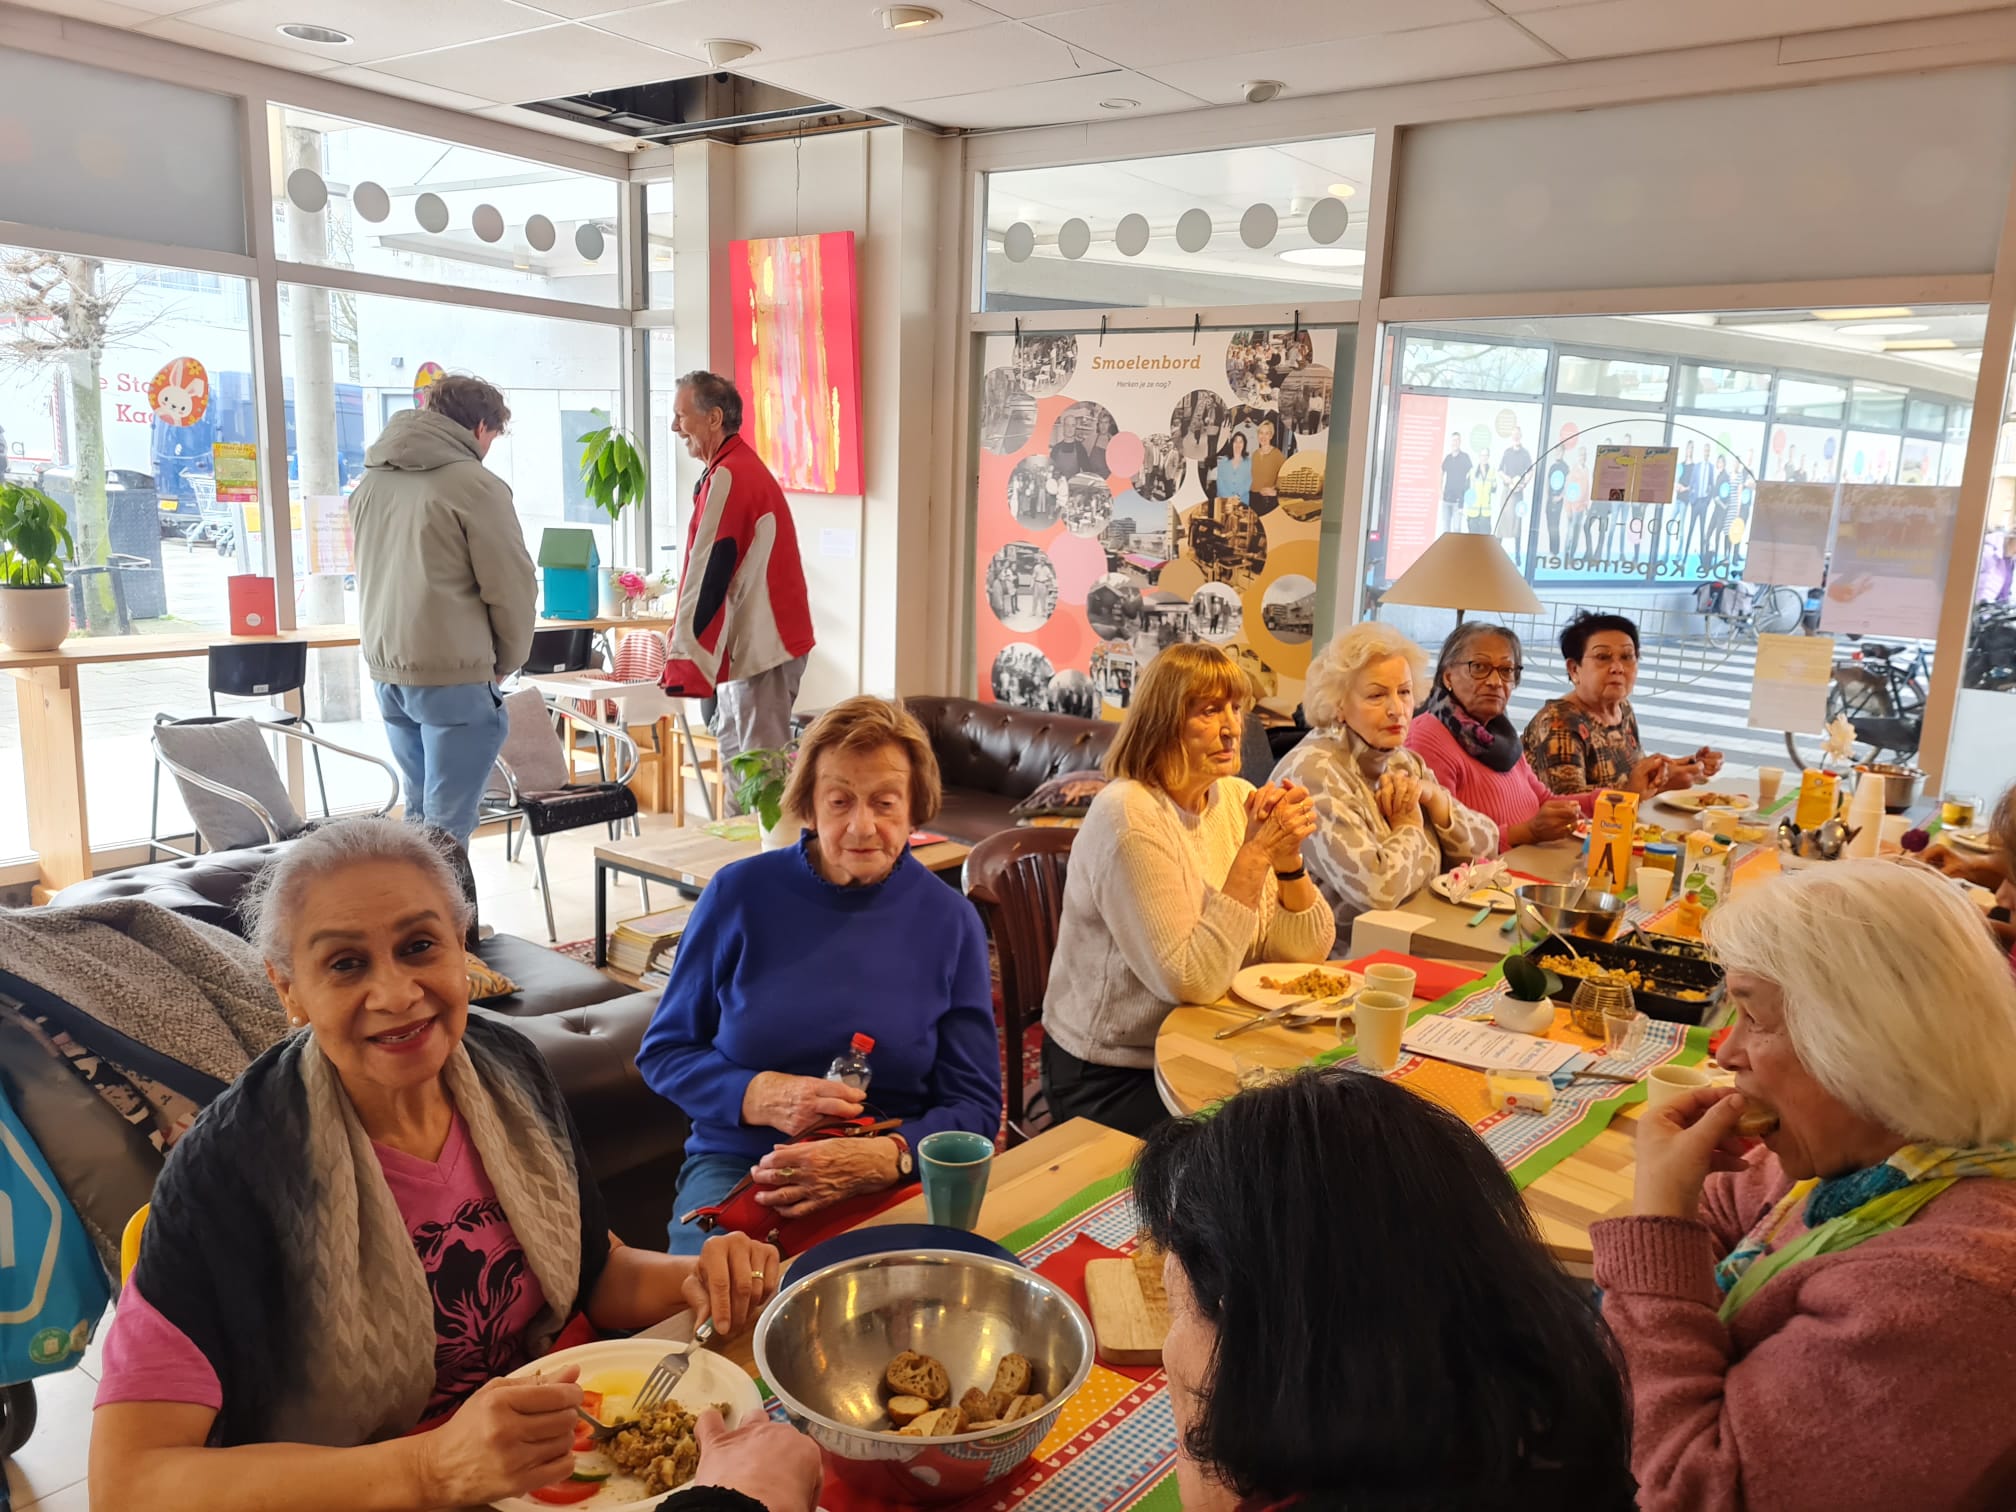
<point>231,786</point>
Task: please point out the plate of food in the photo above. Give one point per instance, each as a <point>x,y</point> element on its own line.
<point>1642,835</point>
<point>1277,984</point>
<point>1495,898</point>
<point>654,1454</point>
<point>1976,840</point>
<point>1695,800</point>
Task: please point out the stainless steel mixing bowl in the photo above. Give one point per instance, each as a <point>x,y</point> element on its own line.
<point>824,1341</point>
<point>1569,909</point>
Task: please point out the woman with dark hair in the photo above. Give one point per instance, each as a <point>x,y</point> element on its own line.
<point>1460,1370</point>
<point>1235,469</point>
<point>1588,740</point>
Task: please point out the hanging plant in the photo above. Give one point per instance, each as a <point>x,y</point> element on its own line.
<point>613,474</point>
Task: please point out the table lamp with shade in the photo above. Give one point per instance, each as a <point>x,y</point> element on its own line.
<point>1464,573</point>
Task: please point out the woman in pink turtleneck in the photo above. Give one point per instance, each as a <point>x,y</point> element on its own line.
<point>1827,1322</point>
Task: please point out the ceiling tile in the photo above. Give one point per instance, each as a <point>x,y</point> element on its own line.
<point>407,89</point>
<point>1439,52</point>
<point>270,53</point>
<point>107,13</point>
<point>1615,28</point>
<point>1050,102</point>
<point>1520,7</point>
<point>581,131</point>
<point>783,29</point>
<point>582,10</point>
<point>381,30</point>
<point>542,65</point>
<point>1143,33</point>
<point>1023,10</point>
<point>927,65</point>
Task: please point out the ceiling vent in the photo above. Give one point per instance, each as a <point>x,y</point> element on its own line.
<point>721,106</point>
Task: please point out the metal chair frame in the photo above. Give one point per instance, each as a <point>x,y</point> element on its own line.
<point>224,790</point>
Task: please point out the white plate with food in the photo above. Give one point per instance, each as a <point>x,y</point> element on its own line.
<point>1694,800</point>
<point>1976,840</point>
<point>627,1472</point>
<point>1496,898</point>
<point>1277,984</point>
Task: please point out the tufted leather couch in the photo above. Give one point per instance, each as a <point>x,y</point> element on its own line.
<point>992,755</point>
<point>586,1025</point>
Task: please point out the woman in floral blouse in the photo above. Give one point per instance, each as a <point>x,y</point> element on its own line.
<point>1384,825</point>
<point>1589,740</point>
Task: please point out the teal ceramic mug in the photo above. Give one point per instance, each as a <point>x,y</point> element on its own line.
<point>954,1166</point>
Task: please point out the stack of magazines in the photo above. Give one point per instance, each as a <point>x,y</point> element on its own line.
<point>642,947</point>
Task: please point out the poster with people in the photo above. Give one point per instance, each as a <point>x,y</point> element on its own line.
<point>1888,572</point>
<point>1144,489</point>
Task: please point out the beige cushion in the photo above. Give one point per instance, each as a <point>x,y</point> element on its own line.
<point>531,747</point>
<point>235,754</point>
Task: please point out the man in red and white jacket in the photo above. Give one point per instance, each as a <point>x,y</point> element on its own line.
<point>743,626</point>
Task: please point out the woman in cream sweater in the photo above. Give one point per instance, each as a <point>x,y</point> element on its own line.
<point>1183,873</point>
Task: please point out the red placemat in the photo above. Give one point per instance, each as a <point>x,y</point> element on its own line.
<point>1432,979</point>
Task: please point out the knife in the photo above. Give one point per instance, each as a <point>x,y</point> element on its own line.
<point>1286,1010</point>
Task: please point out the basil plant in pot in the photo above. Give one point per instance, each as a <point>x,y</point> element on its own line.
<point>760,777</point>
<point>34,544</point>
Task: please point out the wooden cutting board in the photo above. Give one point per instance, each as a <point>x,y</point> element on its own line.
<point>1130,1311</point>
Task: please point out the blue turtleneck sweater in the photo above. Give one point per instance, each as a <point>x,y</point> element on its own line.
<point>779,969</point>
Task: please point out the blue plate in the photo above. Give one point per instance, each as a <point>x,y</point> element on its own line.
<point>888,1238</point>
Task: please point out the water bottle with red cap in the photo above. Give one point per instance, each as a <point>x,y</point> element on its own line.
<point>851,1067</point>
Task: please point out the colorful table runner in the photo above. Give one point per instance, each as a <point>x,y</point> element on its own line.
<point>1528,1145</point>
<point>1114,1443</point>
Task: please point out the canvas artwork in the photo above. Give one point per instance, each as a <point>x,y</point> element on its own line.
<point>798,358</point>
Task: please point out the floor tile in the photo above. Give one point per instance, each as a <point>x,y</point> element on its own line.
<point>58,1454</point>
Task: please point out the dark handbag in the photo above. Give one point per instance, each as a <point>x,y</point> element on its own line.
<point>739,1211</point>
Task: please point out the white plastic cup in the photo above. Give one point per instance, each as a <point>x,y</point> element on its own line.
<point>1379,1018</point>
<point>1668,1084</point>
<point>1655,886</point>
<point>1384,976</point>
<point>1769,780</point>
<point>1895,828</point>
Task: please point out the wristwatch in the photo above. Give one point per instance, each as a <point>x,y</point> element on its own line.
<point>1292,876</point>
<point>905,1166</point>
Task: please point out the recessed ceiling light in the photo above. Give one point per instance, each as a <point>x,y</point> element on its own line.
<point>1892,312</point>
<point>1891,328</point>
<point>1119,103</point>
<point>1324,257</point>
<point>302,31</point>
<point>1343,191</point>
<point>721,51</point>
<point>1260,91</point>
<point>907,17</point>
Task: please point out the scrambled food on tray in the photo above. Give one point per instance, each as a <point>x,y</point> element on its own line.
<point>655,1452</point>
<point>1629,976</point>
<point>921,1391</point>
<point>1314,982</point>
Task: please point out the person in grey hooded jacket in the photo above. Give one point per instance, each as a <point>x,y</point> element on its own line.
<point>447,595</point>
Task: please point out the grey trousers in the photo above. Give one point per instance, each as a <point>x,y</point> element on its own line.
<point>754,714</point>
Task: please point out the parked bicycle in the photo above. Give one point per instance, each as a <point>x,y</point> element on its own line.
<point>1735,611</point>
<point>1991,649</point>
<point>1880,687</point>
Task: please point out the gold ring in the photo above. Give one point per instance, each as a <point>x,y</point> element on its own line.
<point>787,1172</point>
<point>756,1275</point>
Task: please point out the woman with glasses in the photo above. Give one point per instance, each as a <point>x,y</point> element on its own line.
<point>1589,740</point>
<point>1473,749</point>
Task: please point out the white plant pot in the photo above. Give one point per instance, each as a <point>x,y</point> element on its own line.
<point>781,837</point>
<point>611,601</point>
<point>34,619</point>
<point>1523,1017</point>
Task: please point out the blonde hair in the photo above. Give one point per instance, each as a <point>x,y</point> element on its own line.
<point>1149,747</point>
<point>1337,665</point>
<point>1897,999</point>
<point>865,723</point>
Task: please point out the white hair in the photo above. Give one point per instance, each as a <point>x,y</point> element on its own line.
<point>1336,667</point>
<point>1897,999</point>
<point>271,906</point>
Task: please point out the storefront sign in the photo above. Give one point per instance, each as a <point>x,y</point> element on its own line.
<point>1888,571</point>
<point>1788,533</point>
<point>236,465</point>
<point>1635,474</point>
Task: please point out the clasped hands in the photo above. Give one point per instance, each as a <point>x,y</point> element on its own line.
<point>797,1179</point>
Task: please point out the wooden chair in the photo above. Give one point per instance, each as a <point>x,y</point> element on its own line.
<point>1016,879</point>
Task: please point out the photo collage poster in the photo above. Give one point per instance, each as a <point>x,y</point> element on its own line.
<point>1144,489</point>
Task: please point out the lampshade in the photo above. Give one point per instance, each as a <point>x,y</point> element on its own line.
<point>1470,573</point>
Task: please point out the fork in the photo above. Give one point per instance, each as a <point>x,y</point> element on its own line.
<point>669,1372</point>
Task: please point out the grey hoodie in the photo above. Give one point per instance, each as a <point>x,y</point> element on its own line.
<point>445,585</point>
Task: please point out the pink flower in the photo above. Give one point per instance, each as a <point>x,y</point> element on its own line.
<point>632,584</point>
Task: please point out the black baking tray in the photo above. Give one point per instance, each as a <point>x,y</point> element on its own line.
<point>1671,971</point>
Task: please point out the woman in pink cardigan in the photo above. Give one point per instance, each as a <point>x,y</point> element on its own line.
<point>1828,1321</point>
<point>1474,750</point>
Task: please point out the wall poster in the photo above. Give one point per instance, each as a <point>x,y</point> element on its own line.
<point>1141,490</point>
<point>1888,572</point>
<point>798,357</point>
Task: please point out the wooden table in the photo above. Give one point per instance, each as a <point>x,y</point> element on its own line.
<point>1027,1182</point>
<point>689,858</point>
<point>52,729</point>
<point>1194,1070</point>
<point>1448,935</point>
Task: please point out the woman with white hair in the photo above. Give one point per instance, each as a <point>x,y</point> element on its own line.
<point>1827,1321</point>
<point>1384,825</point>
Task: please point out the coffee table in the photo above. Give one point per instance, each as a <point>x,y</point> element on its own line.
<point>689,858</point>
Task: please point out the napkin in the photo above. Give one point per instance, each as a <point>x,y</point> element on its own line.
<point>1477,876</point>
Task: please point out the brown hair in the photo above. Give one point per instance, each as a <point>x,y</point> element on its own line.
<point>1149,747</point>
<point>2002,827</point>
<point>468,401</point>
<point>862,724</point>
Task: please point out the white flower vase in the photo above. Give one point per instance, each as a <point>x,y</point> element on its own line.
<point>1522,1017</point>
<point>780,836</point>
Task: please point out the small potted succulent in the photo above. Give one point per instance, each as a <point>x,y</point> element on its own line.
<point>760,778</point>
<point>34,544</point>
<point>1525,1008</point>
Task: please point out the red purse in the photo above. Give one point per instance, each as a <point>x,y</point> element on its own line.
<point>739,1212</point>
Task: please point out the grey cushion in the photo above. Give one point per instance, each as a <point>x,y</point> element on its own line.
<point>235,754</point>
<point>531,748</point>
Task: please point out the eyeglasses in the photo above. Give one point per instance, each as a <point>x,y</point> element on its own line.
<point>1483,671</point>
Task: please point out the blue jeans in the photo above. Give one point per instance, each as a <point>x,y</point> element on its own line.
<point>444,742</point>
<point>703,1181</point>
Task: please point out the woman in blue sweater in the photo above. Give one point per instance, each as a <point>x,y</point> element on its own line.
<point>791,953</point>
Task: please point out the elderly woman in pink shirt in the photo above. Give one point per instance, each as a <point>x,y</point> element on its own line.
<point>1463,735</point>
<point>1826,1321</point>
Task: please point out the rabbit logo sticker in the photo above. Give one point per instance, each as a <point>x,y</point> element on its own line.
<point>180,392</point>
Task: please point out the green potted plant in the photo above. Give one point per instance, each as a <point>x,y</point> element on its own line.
<point>760,777</point>
<point>614,476</point>
<point>34,544</point>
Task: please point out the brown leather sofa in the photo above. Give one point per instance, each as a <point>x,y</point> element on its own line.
<point>993,755</point>
<point>587,1026</point>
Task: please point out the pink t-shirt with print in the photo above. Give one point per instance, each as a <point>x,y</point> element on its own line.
<point>485,1295</point>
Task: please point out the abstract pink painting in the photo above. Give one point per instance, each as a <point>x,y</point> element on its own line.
<point>798,358</point>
